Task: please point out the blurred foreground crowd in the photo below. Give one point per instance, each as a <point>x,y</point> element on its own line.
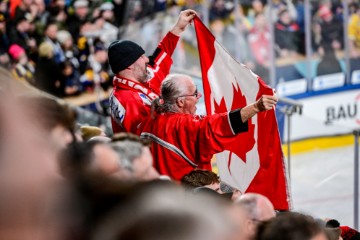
<point>62,181</point>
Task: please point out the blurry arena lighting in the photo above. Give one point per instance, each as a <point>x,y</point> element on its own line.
<point>290,107</point>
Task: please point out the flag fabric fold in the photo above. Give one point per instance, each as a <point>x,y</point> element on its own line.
<point>254,161</point>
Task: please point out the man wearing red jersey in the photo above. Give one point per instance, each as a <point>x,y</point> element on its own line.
<point>183,141</point>
<point>138,78</point>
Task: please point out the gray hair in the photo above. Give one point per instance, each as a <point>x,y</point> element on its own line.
<point>171,89</point>
<point>128,151</point>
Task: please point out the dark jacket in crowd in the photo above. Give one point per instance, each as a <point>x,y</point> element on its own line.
<point>48,77</point>
<point>287,36</point>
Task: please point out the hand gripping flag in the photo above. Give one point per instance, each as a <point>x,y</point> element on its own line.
<point>254,161</point>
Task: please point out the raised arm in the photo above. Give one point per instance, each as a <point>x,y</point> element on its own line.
<point>183,21</point>
<point>266,102</point>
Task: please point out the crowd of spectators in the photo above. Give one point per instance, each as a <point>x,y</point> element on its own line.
<point>71,37</point>
<point>58,46</point>
<point>252,19</point>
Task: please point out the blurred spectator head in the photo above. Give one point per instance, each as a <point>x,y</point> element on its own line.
<point>107,161</point>
<point>65,39</point>
<point>81,8</point>
<point>354,8</point>
<point>161,210</point>
<point>86,27</point>
<point>51,30</point>
<point>22,24</point>
<point>52,118</point>
<point>258,6</point>
<point>290,226</point>
<point>135,156</point>
<point>27,3</point>
<point>32,193</point>
<point>217,26</point>
<point>87,159</point>
<point>256,208</point>
<point>46,50</point>
<point>122,54</point>
<point>260,21</point>
<point>284,17</point>
<point>332,223</point>
<point>107,11</point>
<point>5,60</point>
<point>60,3</point>
<point>17,53</point>
<point>325,13</point>
<point>4,5</point>
<point>219,4</point>
<point>100,51</point>
<point>201,178</point>
<point>40,5</point>
<point>67,68</point>
<point>333,233</point>
<point>99,22</point>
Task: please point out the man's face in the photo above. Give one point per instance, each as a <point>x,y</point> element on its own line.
<point>189,97</point>
<point>140,69</point>
<point>81,12</point>
<point>51,31</point>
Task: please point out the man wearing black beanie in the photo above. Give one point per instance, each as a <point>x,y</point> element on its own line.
<point>137,78</point>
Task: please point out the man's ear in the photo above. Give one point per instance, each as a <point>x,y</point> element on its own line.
<point>180,102</point>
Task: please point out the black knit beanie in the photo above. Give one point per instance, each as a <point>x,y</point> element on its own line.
<point>122,54</point>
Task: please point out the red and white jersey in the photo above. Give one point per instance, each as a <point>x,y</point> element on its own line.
<point>130,101</point>
<point>183,142</point>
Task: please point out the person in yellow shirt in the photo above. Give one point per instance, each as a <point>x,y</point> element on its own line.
<point>354,31</point>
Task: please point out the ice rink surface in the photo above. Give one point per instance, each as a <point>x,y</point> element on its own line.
<point>322,183</point>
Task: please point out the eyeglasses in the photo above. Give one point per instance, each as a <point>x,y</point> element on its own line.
<point>195,94</point>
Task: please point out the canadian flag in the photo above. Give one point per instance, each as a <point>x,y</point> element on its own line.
<point>254,161</point>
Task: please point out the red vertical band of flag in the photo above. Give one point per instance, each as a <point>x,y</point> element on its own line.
<point>254,161</point>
